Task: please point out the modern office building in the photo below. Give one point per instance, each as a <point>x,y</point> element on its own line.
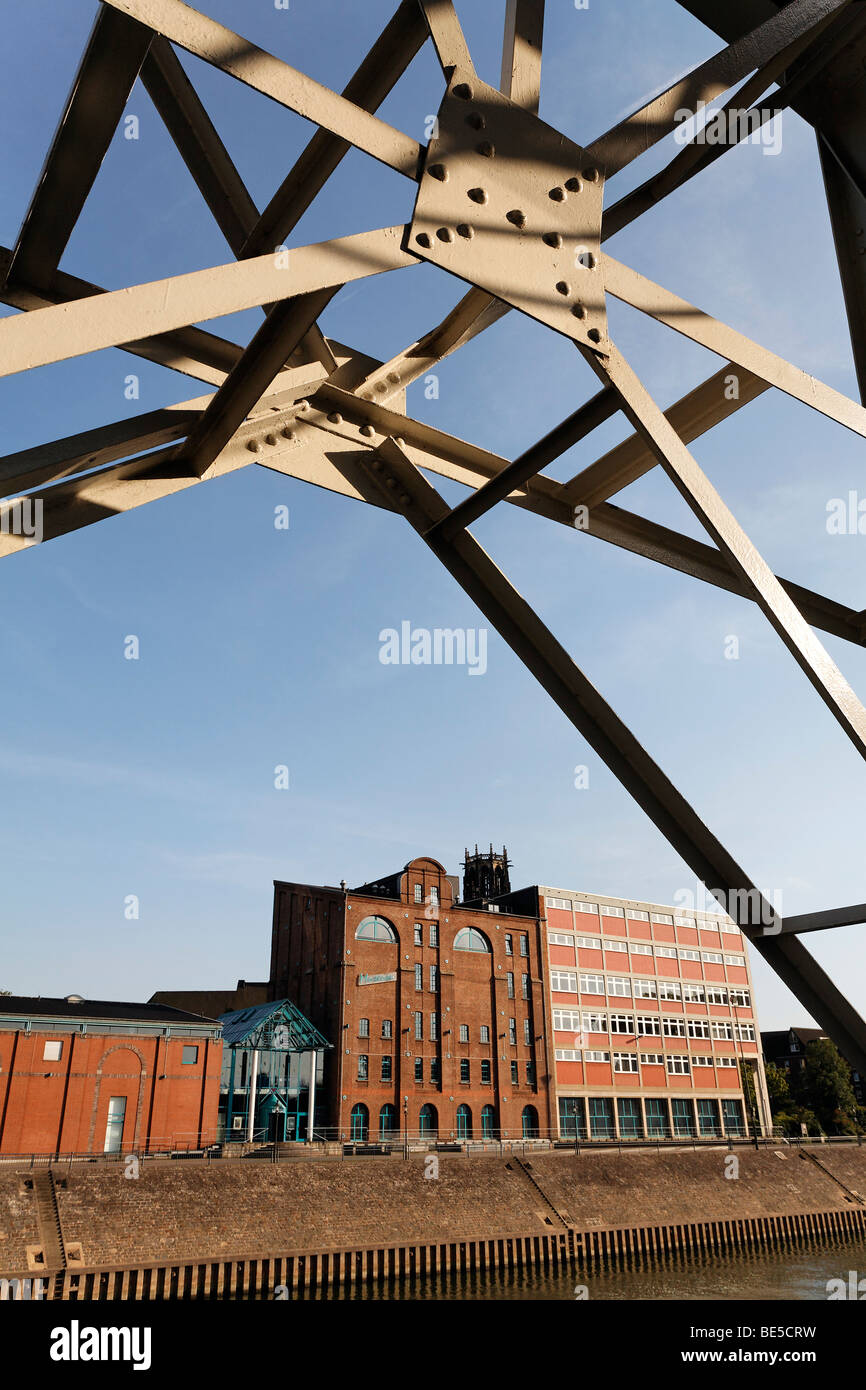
<point>652,1018</point>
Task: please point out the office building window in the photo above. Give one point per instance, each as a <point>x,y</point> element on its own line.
<point>464,1032</point>
<point>630,1121</point>
<point>190,1056</point>
<point>363,1067</point>
<point>363,1027</point>
<point>657,1123</point>
<point>419,1024</point>
<point>621,1023</point>
<point>386,1027</point>
<point>52,1051</point>
<point>510,983</point>
<point>485,1032</point>
<point>464,1069</point>
<point>591,984</point>
<point>678,1066</point>
<point>419,938</point>
<point>419,895</point>
<point>683,1117</point>
<point>509,948</point>
<point>524,986</point>
<point>434,979</point>
<point>512,1032</point>
<point>386,1069</point>
<point>485,1072</point>
<point>572,1117</point>
<point>624,1061</point>
<point>524,944</point>
<point>434,1070</point>
<point>601,1124</point>
<point>619,985</point>
<point>515,1074</point>
<point>434,1027</point>
<point>433,934</point>
<point>563,981</point>
<point>530,1073</point>
<point>527,1032</point>
<point>419,975</point>
<point>419,1068</point>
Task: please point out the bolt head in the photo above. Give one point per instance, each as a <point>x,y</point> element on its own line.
<point>367,431</point>
<point>438,171</point>
<point>562,287</point>
<point>552,239</point>
<point>464,230</point>
<point>578,311</point>
<point>444,234</point>
<point>478,195</point>
<point>573,185</point>
<point>591,175</point>
<point>475,120</point>
<point>423,240</point>
<point>463,91</point>
<point>254,446</point>
<point>335,417</point>
<point>486,149</point>
<point>516,217</point>
<point>557,194</point>
<point>594,335</point>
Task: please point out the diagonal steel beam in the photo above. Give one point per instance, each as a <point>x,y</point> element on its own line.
<point>216,44</point>
<point>521,52</point>
<point>824,921</point>
<point>614,743</point>
<point>447,35</point>
<point>576,427</point>
<point>691,416</point>
<point>110,320</point>
<point>112,59</point>
<point>744,559</point>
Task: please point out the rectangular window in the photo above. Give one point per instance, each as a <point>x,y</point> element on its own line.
<point>434,1070</point>
<point>620,946</point>
<point>722,1030</point>
<point>726,1061</point>
<point>645,989</point>
<point>464,1032</point>
<point>619,985</point>
<point>699,1028</point>
<point>663,917</point>
<point>567,1054</point>
<point>591,984</point>
<point>735,960</point>
<point>590,943</point>
<point>741,998</point>
<point>683,1116</point>
<point>566,1019</point>
<point>717,996</point>
<point>670,989</point>
<point>689,955</point>
<point>419,929</point>
<point>515,1074</point>
<point>434,1027</point>
<point>624,1061</point>
<point>639,948</point>
<point>674,1027</point>
<point>601,1118</point>
<point>485,1032</point>
<point>434,896</point>
<point>653,1059</point>
<point>419,1024</point>
<point>363,1066</point>
<point>630,1121</point>
<point>114,1124</point>
<point>593,1023</point>
<point>657,1117</point>
<point>712,957</point>
<point>559,938</point>
<point>509,948</point>
<point>608,911</point>
<point>190,1056</point>
<point>678,1066</point>
<point>52,1051</point>
<point>363,1027</point>
<point>684,922</point>
<point>585,907</point>
<point>694,994</point>
<point>512,1032</point>
<point>702,1061</point>
<point>485,1072</point>
<point>419,975</point>
<point>419,895</point>
<point>732,1112</point>
<point>637,916</point>
<point>596,1056</point>
<point>524,944</point>
<point>530,1073</point>
<point>668,952</point>
<point>419,1068</point>
<point>746,1032</point>
<point>572,1117</point>
<point>527,1032</point>
<point>386,1069</point>
<point>524,986</point>
<point>433,934</point>
<point>510,983</point>
<point>622,1023</point>
<point>649,1025</point>
<point>564,981</point>
<point>434,979</point>
<point>386,1027</point>
<point>464,1069</point>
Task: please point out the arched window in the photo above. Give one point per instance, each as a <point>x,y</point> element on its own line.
<point>359,1124</point>
<point>375,929</point>
<point>468,939</point>
<point>464,1122</point>
<point>488,1119</point>
<point>529,1120</point>
<point>428,1120</point>
<point>387,1121</point>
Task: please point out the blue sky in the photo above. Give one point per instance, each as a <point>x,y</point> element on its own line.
<point>260,647</point>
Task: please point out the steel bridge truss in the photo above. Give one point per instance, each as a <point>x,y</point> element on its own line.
<point>507,204</point>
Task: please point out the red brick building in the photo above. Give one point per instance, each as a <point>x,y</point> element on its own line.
<point>90,1076</point>
<point>436,1009</point>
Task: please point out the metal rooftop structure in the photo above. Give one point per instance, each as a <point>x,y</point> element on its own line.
<point>520,213</point>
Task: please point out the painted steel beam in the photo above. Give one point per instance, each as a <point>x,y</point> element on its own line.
<point>824,921</point>
<point>696,490</point>
<point>263,360</point>
<point>668,308</point>
<point>232,54</point>
<point>447,35</point>
<point>112,59</point>
<point>199,144</point>
<point>388,59</point>
<point>520,78</point>
<point>110,320</point>
<point>691,416</point>
<point>576,427</point>
<point>614,743</point>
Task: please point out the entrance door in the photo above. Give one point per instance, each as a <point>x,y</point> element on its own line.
<point>114,1125</point>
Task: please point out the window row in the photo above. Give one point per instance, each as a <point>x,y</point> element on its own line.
<point>642,948</point>
<point>628,1061</point>
<point>388,1129</point>
<point>467,939</point>
<point>602,1117</point>
<point>638,915</point>
<point>650,1025</point>
<point>625,987</point>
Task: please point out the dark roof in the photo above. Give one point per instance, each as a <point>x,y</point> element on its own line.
<point>779,1037</point>
<point>301,1034</point>
<point>104,1009</point>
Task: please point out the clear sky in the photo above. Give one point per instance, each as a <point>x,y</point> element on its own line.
<point>260,647</point>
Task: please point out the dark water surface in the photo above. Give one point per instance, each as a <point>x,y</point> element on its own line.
<point>801,1273</point>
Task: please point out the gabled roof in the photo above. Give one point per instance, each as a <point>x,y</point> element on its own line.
<point>242,1025</point>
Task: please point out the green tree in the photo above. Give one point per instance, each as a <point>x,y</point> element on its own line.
<point>777,1088</point>
<point>825,1087</point>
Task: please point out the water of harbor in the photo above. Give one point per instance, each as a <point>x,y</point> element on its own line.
<point>761,1275</point>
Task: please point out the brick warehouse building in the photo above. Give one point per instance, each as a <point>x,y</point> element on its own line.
<point>91,1076</point>
<point>436,1009</point>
